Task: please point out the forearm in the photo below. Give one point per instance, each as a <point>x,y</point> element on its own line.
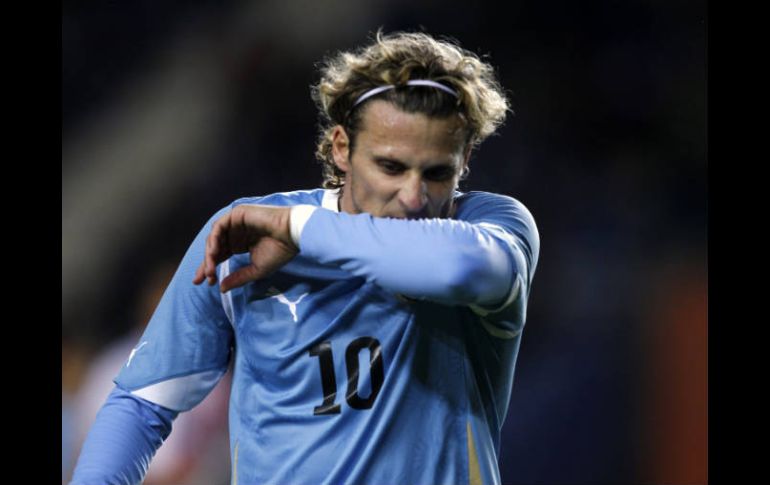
<point>437,259</point>
<point>122,441</point>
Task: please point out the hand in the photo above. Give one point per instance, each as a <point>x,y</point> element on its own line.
<point>261,230</point>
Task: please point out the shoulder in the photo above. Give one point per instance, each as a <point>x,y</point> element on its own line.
<point>310,197</point>
<point>475,204</point>
<point>503,211</point>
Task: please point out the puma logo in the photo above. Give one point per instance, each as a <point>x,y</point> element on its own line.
<point>134,351</point>
<point>282,298</point>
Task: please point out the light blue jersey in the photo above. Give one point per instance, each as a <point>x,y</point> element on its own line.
<point>370,358</point>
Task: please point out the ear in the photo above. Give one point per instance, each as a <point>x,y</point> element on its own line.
<point>466,159</point>
<point>341,148</point>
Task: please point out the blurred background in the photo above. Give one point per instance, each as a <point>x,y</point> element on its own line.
<point>170,110</point>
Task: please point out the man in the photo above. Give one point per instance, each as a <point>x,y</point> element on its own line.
<point>373,324</point>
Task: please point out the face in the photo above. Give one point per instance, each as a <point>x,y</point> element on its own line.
<point>404,165</point>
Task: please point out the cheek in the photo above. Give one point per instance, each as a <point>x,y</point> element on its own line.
<point>441,193</point>
<point>441,199</point>
<point>376,184</point>
<point>369,191</point>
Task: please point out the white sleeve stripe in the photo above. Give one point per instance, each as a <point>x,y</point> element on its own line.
<point>181,393</point>
<point>330,200</point>
<point>299,217</point>
<point>227,298</point>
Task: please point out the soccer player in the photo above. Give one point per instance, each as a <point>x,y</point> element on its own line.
<point>373,324</point>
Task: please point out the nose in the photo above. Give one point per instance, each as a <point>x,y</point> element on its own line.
<point>414,195</point>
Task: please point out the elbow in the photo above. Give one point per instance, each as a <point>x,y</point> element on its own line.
<point>476,276</point>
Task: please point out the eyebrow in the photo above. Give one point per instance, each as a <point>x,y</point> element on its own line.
<point>439,165</point>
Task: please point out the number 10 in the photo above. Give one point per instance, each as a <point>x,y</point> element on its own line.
<point>323,351</point>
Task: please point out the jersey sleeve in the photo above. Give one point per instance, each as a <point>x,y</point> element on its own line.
<point>512,226</point>
<point>126,434</point>
<point>484,258</point>
<point>186,346</point>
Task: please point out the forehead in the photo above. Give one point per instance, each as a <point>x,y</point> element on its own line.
<point>386,127</point>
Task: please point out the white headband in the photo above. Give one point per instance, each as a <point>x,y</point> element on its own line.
<point>411,82</point>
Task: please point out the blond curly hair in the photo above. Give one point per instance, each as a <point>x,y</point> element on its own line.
<point>395,59</point>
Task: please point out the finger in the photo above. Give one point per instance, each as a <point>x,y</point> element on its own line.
<point>212,248</point>
<point>217,246</point>
<point>239,278</point>
<point>255,271</point>
<point>199,275</point>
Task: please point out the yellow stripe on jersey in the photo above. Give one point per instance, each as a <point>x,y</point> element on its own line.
<point>474,473</point>
<point>235,465</point>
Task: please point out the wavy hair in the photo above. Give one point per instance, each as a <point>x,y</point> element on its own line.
<point>395,59</point>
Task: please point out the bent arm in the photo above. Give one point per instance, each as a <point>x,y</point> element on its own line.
<point>444,260</point>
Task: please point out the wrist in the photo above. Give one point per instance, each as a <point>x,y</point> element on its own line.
<point>298,217</point>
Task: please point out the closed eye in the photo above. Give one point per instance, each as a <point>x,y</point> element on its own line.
<point>390,167</point>
<point>440,174</point>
